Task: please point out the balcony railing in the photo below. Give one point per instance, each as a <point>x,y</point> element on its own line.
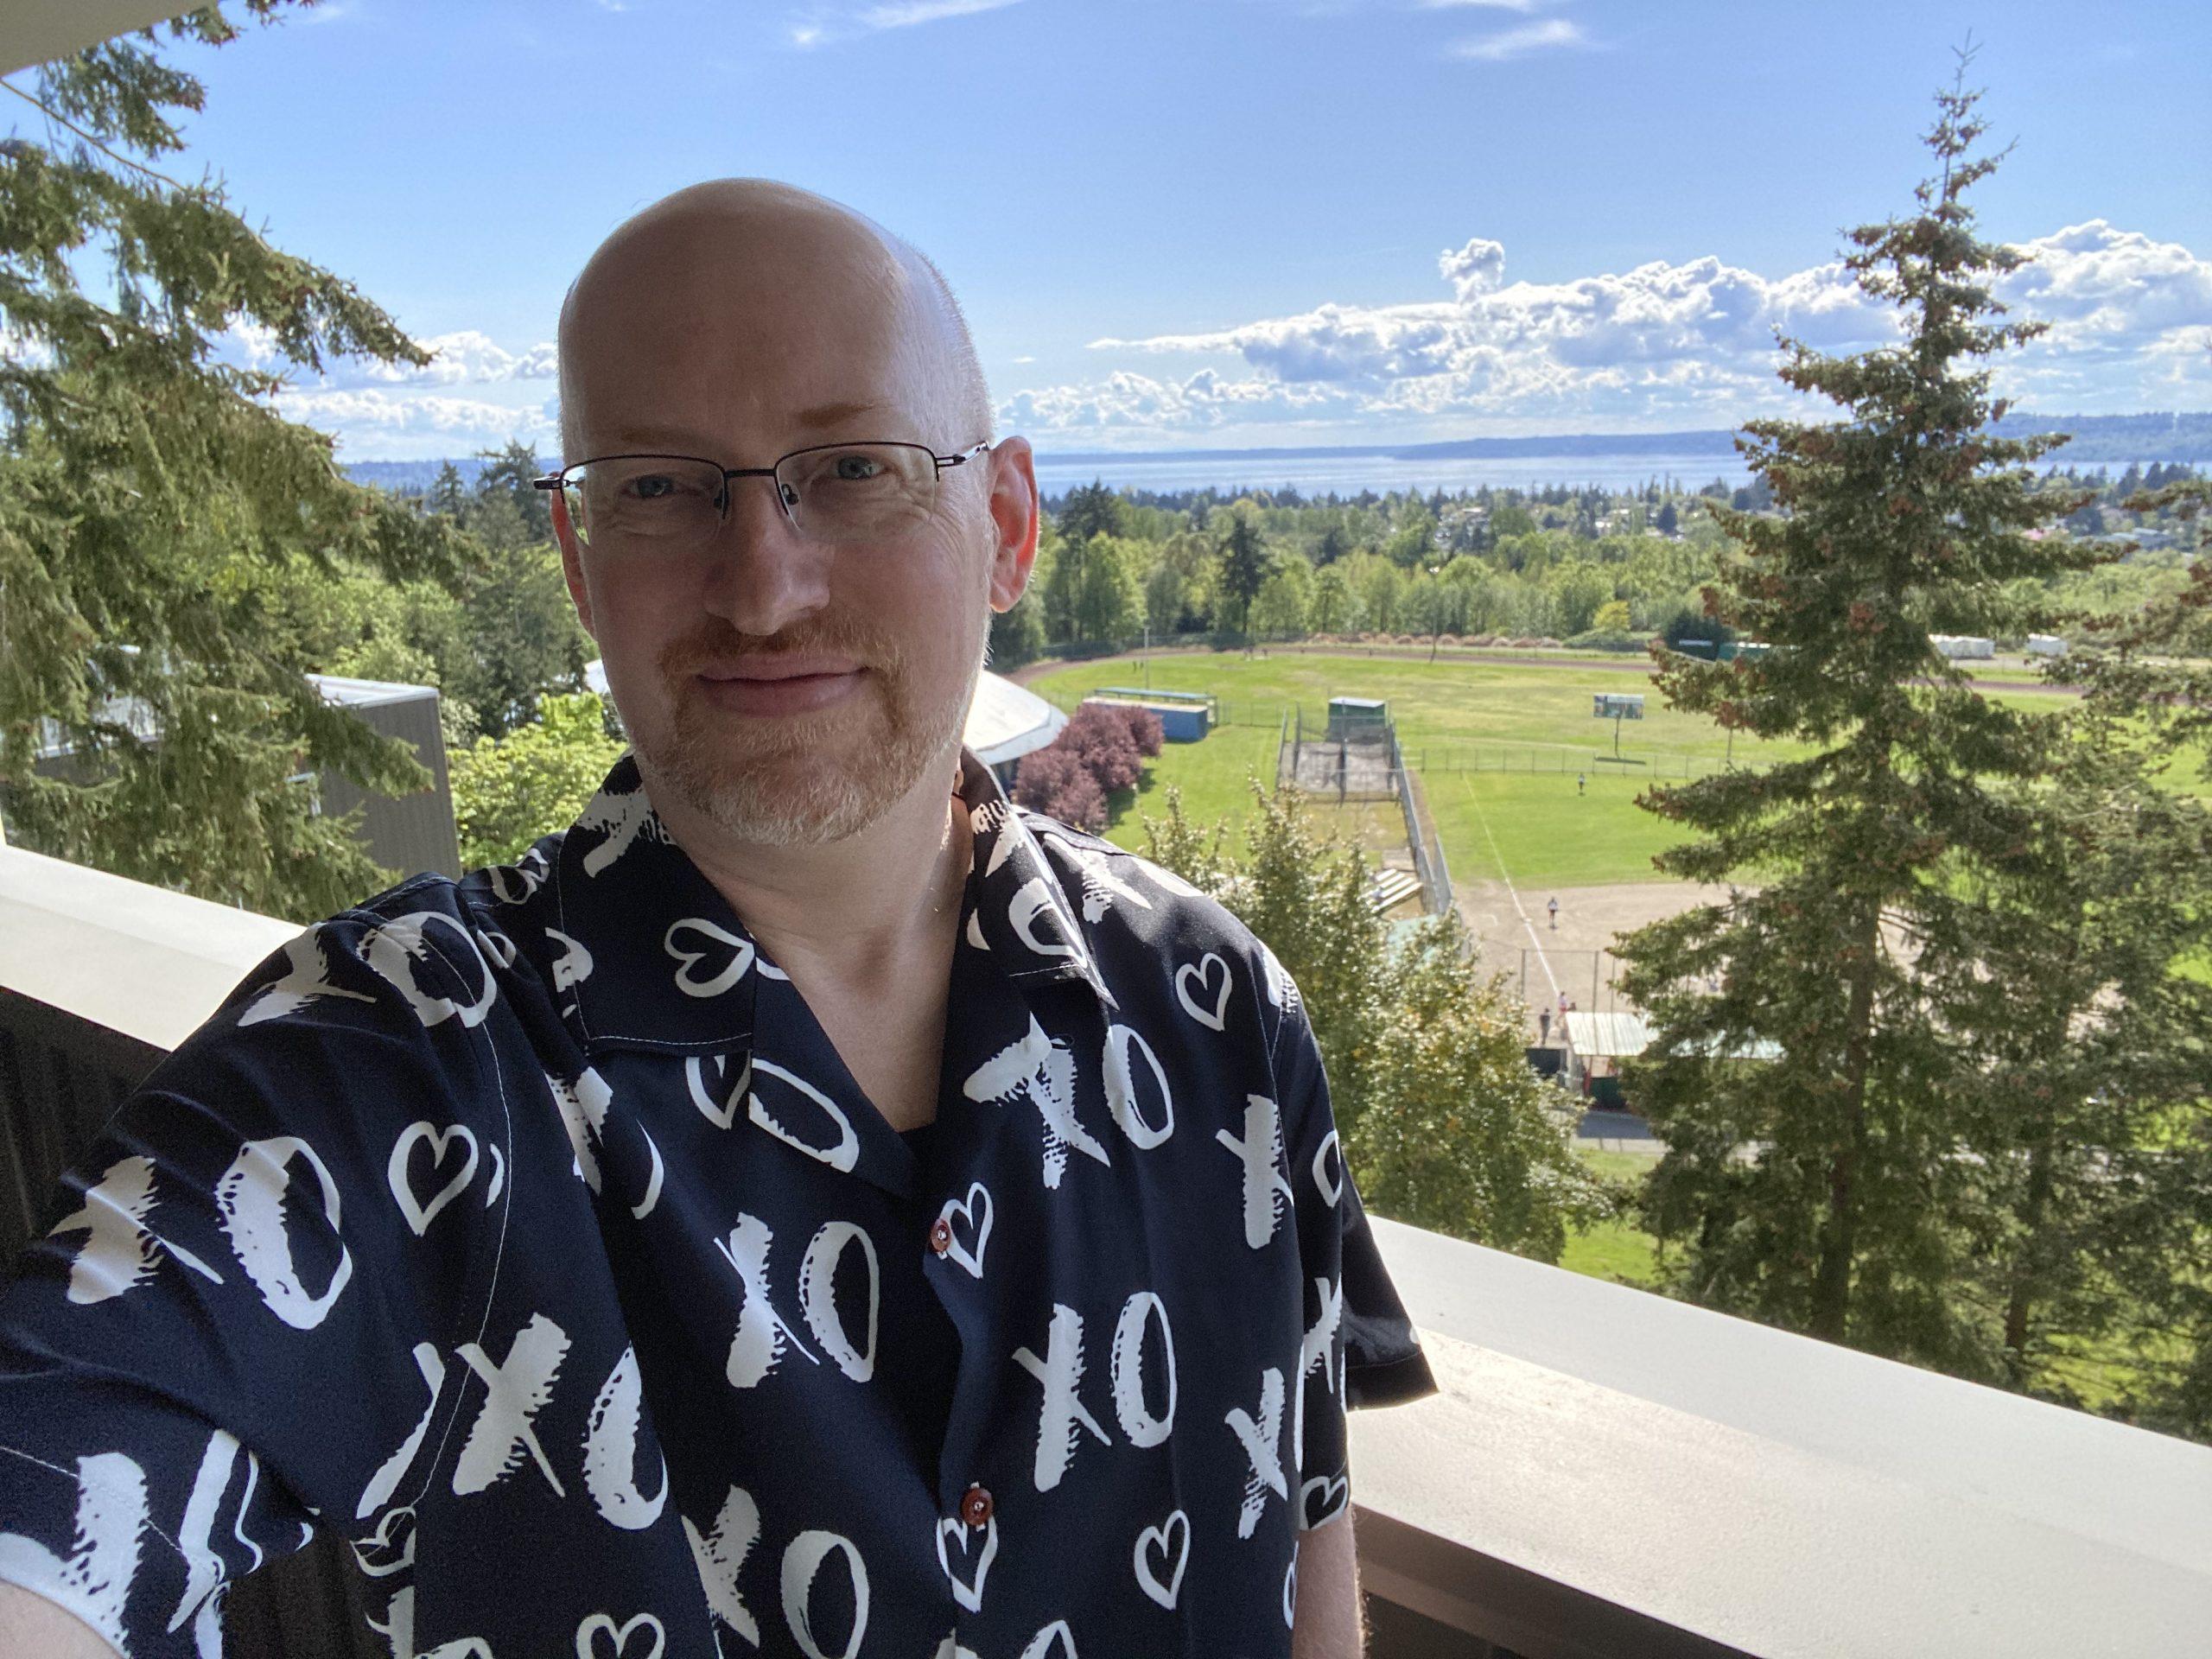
<point>1606,1473</point>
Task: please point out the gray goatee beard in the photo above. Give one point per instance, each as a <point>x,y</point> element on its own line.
<point>813,779</point>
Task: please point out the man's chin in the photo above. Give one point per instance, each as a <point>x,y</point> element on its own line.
<point>791,787</point>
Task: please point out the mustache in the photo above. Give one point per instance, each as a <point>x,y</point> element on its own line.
<point>838,632</point>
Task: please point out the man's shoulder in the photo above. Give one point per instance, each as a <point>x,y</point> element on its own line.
<point>423,951</point>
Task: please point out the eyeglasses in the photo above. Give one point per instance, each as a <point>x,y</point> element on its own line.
<point>840,492</point>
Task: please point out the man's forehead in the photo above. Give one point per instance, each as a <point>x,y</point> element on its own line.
<point>777,309</point>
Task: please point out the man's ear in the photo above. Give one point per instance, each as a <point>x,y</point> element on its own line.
<point>572,561</point>
<point>1016,517</point>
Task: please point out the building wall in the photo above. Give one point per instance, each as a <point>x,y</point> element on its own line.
<point>416,832</point>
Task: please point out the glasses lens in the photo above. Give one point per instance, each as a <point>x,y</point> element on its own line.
<point>857,492</point>
<point>650,502</point>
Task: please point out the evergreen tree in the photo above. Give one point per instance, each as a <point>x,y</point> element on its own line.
<point>506,476</point>
<point>1089,509</point>
<point>149,492</point>
<point>2090,1124</point>
<point>1245,564</point>
<point>1826,1189</point>
<point>2153,669</point>
<point>448,494</point>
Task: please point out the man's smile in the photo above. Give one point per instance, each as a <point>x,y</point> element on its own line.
<point>779,685</point>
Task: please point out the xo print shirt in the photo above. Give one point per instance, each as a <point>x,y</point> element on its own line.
<point>529,1233</point>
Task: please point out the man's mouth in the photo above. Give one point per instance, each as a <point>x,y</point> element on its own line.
<point>794,667</point>
<point>779,685</point>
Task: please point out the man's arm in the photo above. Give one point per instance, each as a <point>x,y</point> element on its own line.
<point>31,1627</point>
<point>1327,1623</point>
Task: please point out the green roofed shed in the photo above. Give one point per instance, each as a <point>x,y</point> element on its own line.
<point>1358,716</point>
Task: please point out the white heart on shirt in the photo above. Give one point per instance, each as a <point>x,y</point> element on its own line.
<point>617,1646</point>
<point>735,955</point>
<point>400,1171</point>
<point>1154,1538</point>
<point>694,1077</point>
<point>975,1211</point>
<point>1336,1492</point>
<point>969,1596</point>
<point>1202,971</point>
<point>381,1554</point>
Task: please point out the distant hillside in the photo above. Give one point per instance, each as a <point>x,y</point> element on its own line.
<point>415,477</point>
<point>2098,441</point>
<point>2102,439</point>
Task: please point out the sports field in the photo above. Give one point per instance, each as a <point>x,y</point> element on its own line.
<point>1500,746</point>
<point>1447,715</point>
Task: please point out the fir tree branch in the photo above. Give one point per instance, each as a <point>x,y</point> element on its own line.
<point>54,115</point>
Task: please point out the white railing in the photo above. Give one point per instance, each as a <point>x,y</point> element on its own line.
<point>1603,1472</point>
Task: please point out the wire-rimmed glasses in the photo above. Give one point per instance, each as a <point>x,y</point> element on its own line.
<point>838,493</point>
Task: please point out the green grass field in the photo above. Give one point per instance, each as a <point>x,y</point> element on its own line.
<point>1616,1250</point>
<point>1499,744</point>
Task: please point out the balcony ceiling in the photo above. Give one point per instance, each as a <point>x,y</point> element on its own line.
<point>33,31</point>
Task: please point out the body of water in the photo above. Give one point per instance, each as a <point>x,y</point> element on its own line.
<point>1350,474</point>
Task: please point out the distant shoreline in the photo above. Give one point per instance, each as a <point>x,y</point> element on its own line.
<point>2112,441</point>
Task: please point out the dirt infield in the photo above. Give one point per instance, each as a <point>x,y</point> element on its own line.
<point>1575,958</point>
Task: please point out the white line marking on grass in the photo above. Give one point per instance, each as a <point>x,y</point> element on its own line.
<point>1512,891</point>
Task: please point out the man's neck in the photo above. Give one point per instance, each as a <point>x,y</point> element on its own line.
<point>852,911</point>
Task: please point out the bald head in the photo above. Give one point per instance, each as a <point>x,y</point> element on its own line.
<point>746,306</point>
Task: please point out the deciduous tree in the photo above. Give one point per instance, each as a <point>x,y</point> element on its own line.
<point>1442,1118</point>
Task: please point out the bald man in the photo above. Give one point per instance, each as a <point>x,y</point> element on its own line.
<point>807,1206</point>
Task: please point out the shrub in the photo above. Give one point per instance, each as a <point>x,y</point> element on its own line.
<point>1145,730</point>
<point>1043,774</point>
<point>1054,781</point>
<point>1099,736</point>
<point>1103,749</point>
<point>1082,804</point>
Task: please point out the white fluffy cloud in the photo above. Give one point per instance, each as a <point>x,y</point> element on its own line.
<point>466,358</point>
<point>373,424</point>
<point>1661,345</point>
<point>466,398</point>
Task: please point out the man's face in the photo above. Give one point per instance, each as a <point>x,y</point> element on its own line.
<point>785,689</point>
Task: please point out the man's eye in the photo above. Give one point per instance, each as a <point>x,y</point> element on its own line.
<point>855,469</point>
<point>653,486</point>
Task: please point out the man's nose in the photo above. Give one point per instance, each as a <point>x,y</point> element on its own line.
<point>761,573</point>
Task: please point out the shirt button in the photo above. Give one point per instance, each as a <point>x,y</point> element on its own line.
<point>941,1237</point>
<point>976,1506</point>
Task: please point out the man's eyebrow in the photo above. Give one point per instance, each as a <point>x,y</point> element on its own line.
<point>653,441</point>
<point>823,416</point>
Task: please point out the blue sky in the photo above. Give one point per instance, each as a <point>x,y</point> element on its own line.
<point>1207,223</point>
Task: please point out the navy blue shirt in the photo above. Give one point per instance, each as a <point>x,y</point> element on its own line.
<point>529,1231</point>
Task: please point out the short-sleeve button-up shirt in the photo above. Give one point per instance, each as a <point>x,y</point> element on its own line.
<point>529,1231</point>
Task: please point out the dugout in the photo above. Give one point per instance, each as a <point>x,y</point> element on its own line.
<point>1354,718</point>
<point>1184,716</point>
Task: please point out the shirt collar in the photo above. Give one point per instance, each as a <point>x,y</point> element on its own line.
<point>656,959</point>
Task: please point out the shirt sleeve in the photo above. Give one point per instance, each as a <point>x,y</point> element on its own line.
<point>1359,1347</point>
<point>221,1345</point>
